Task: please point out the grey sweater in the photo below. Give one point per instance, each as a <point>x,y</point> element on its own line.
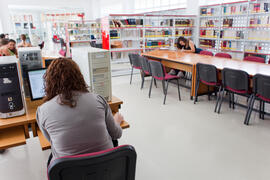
<point>88,127</point>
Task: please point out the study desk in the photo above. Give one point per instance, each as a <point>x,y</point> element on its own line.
<point>187,62</point>
<point>14,131</point>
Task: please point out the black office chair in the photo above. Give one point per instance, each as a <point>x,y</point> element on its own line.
<point>114,164</point>
<point>206,74</point>
<point>261,92</point>
<point>135,63</point>
<point>234,82</point>
<point>158,73</point>
<point>145,71</point>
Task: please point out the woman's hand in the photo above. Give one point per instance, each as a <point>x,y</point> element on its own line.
<point>118,118</point>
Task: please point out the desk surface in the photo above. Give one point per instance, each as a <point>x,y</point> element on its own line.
<point>251,68</point>
<point>30,115</point>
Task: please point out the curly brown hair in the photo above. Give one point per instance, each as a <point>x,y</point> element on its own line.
<point>63,77</point>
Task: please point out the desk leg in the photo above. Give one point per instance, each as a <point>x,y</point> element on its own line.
<point>34,129</point>
<point>192,91</point>
<point>26,131</point>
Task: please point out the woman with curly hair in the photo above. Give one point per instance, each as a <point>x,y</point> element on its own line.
<point>74,120</point>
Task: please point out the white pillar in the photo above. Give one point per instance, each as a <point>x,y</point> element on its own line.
<point>4,18</point>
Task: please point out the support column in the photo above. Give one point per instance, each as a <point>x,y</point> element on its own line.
<point>5,25</point>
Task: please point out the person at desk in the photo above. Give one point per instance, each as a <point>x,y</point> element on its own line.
<point>23,42</point>
<point>186,46</point>
<point>9,49</point>
<point>74,120</point>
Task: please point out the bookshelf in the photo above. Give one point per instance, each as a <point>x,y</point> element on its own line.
<point>238,28</point>
<point>136,33</point>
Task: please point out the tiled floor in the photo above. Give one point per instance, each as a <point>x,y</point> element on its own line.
<point>175,141</point>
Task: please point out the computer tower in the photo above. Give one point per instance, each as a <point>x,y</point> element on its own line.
<point>95,65</point>
<point>30,58</point>
<point>11,96</point>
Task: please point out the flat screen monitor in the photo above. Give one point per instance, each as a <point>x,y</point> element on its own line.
<point>36,83</point>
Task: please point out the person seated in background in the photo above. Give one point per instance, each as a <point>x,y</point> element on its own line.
<point>74,120</point>
<point>2,36</point>
<point>187,46</point>
<point>23,42</point>
<point>3,42</point>
<point>9,49</point>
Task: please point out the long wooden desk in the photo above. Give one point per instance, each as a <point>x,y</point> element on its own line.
<point>187,62</point>
<point>14,131</point>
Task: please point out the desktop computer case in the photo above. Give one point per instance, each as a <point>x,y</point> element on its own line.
<point>30,58</point>
<point>95,65</point>
<point>12,101</point>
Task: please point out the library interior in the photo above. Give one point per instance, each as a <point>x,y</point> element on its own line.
<point>172,89</point>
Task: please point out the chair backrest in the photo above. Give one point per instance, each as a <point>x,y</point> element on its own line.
<point>206,73</point>
<point>254,59</point>
<point>157,70</point>
<point>223,55</point>
<point>114,164</point>
<point>208,53</point>
<point>134,60</point>
<point>261,86</point>
<point>145,65</point>
<point>235,80</point>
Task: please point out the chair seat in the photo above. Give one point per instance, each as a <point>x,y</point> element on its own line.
<point>263,98</point>
<point>211,83</point>
<point>239,91</point>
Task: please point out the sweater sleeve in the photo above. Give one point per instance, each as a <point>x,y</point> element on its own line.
<point>40,122</point>
<point>113,128</point>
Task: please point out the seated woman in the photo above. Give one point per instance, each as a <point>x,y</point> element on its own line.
<point>186,46</point>
<point>9,49</point>
<point>74,120</point>
<point>23,42</point>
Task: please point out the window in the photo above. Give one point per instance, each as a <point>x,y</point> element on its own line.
<point>156,5</point>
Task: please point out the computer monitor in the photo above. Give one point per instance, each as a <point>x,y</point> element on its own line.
<point>36,83</point>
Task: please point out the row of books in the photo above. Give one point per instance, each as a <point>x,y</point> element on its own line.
<point>159,22</point>
<point>208,33</point>
<point>230,45</point>
<point>209,11</point>
<point>184,32</point>
<point>79,25</point>
<point>184,22</point>
<point>126,22</point>
<point>231,34</point>
<point>209,23</point>
<point>160,43</point>
<point>77,31</point>
<point>161,33</point>
<point>257,47</point>
<point>260,7</point>
<point>227,22</point>
<point>114,34</point>
<point>259,21</point>
<point>234,10</point>
<point>207,43</point>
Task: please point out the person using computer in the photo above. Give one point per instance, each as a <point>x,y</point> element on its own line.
<point>9,49</point>
<point>23,42</point>
<point>187,46</point>
<point>74,120</point>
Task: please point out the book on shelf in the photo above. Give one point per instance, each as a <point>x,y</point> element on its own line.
<point>184,22</point>
<point>208,23</point>
<point>259,21</point>
<point>230,45</point>
<point>260,7</point>
<point>235,10</point>
<point>231,34</point>
<point>207,43</point>
<point>208,33</point>
<point>227,22</point>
